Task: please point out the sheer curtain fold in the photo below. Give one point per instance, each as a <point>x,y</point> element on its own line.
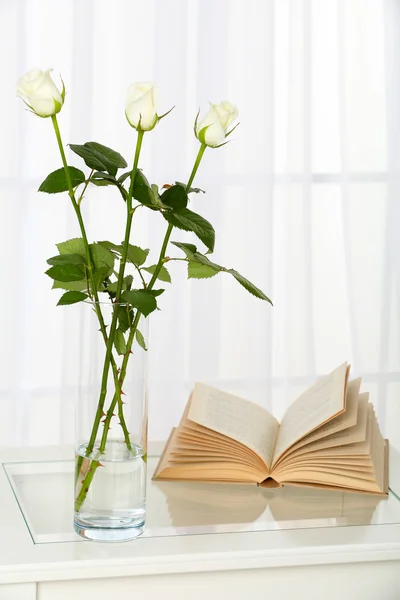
<point>304,200</point>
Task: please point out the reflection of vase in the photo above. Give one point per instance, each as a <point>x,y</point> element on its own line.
<point>111,437</point>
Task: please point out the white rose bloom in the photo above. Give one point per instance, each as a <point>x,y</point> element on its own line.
<point>141,105</point>
<point>39,92</point>
<point>218,120</point>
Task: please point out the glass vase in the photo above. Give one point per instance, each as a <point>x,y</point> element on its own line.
<point>111,426</point>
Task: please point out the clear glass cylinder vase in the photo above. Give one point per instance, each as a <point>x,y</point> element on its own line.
<point>111,425</point>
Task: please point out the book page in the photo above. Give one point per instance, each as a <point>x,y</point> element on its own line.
<point>239,419</point>
<point>317,405</point>
<point>354,434</point>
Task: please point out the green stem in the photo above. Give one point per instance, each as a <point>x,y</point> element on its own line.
<point>157,270</point>
<point>94,464</point>
<point>170,226</point>
<point>90,269</point>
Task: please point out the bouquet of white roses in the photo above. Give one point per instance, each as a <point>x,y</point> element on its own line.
<point>87,271</point>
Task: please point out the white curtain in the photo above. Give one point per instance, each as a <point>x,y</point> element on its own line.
<point>305,200</point>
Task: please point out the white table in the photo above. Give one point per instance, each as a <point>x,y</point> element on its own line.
<point>325,558</point>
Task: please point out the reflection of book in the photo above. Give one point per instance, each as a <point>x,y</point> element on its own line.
<point>197,504</point>
<point>329,437</point>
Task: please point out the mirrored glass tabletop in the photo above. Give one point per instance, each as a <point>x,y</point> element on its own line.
<point>43,491</point>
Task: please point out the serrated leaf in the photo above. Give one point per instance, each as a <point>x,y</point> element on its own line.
<point>163,274</point>
<point>119,342</point>
<point>101,175</point>
<point>128,280</point>
<point>124,176</point>
<point>73,246</point>
<point>101,182</point>
<point>188,249</point>
<point>60,259</point>
<point>250,287</point>
<point>76,286</point>
<point>142,191</point>
<point>99,157</point>
<point>66,272</point>
<point>140,340</point>
<point>205,265</point>
<point>190,221</point>
<point>110,246</point>
<point>191,253</point>
<point>137,255</point>
<point>101,256</point>
<point>198,271</point>
<point>71,298</point>
<point>99,275</point>
<point>101,179</point>
<point>125,318</point>
<point>140,299</point>
<point>190,190</point>
<point>175,197</point>
<point>57,182</point>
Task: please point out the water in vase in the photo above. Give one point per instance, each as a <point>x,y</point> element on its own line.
<point>111,505</point>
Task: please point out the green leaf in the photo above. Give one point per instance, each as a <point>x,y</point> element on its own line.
<point>163,275</point>
<point>99,275</point>
<point>190,190</point>
<point>140,339</point>
<point>124,176</point>
<point>140,299</point>
<point>128,280</point>
<point>71,298</point>
<point>198,271</point>
<point>119,342</point>
<point>142,191</point>
<point>100,175</point>
<point>66,272</point>
<point>76,286</point>
<point>250,287</point>
<point>99,157</point>
<point>190,221</point>
<point>75,259</point>
<point>188,249</point>
<point>111,246</point>
<point>125,318</point>
<point>127,283</point>
<point>137,255</point>
<point>73,246</point>
<point>175,197</point>
<point>155,292</point>
<point>191,253</point>
<point>102,257</point>
<point>195,257</point>
<point>99,178</point>
<point>101,182</point>
<point>56,182</point>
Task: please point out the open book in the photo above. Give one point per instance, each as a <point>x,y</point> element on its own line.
<point>328,437</point>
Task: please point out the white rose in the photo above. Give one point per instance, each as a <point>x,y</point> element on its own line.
<point>141,106</point>
<point>39,92</point>
<point>213,129</point>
